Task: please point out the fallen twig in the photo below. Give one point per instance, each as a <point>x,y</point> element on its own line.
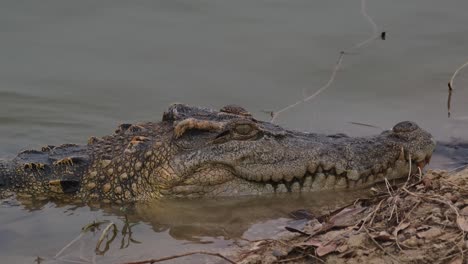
<point>103,235</point>
<point>151,261</point>
<point>375,35</point>
<point>450,85</point>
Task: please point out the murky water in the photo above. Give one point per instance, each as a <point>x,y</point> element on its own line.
<point>72,69</point>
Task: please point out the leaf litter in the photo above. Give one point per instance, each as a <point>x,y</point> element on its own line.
<point>423,220</point>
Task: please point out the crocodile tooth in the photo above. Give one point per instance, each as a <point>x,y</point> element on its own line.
<point>352,175</point>
<point>312,167</point>
<point>266,177</point>
<point>389,171</point>
<point>326,165</point>
<point>319,169</point>
<point>339,169</point>
<point>295,187</point>
<point>281,188</point>
<point>371,178</point>
<point>377,168</point>
<point>341,183</point>
<point>277,177</point>
<point>402,155</point>
<point>384,166</point>
<point>258,177</point>
<point>307,183</point>
<point>330,182</point>
<point>359,182</point>
<point>269,188</point>
<point>379,177</point>
<point>288,177</point>
<point>319,181</point>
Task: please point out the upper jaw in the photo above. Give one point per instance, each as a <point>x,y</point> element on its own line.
<point>352,158</point>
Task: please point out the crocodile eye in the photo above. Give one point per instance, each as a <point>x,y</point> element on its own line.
<point>243,129</point>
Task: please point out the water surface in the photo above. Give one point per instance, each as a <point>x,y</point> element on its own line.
<point>73,69</point>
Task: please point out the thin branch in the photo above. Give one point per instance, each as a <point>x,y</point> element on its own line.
<point>449,99</point>
<point>455,74</point>
<point>69,245</point>
<point>103,236</point>
<point>323,88</point>
<point>450,86</point>
<point>151,261</point>
<point>375,35</point>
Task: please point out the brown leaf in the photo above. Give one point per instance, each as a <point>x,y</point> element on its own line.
<point>342,248</point>
<point>462,222</point>
<point>346,216</point>
<point>464,211</point>
<point>431,233</point>
<point>384,237</point>
<point>294,230</point>
<point>302,214</point>
<point>326,249</point>
<point>310,242</point>
<point>401,226</point>
<point>457,260</point>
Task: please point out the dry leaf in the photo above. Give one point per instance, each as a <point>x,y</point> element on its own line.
<point>384,236</point>
<point>345,217</point>
<point>302,214</point>
<point>294,230</point>
<point>310,242</point>
<point>327,249</point>
<point>462,222</point>
<point>431,233</point>
<point>457,260</point>
<point>401,226</point>
<point>342,248</point>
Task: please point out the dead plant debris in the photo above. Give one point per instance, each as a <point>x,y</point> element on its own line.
<point>423,220</point>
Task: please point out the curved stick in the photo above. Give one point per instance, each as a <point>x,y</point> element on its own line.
<point>374,35</point>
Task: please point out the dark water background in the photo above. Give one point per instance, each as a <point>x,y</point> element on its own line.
<point>72,69</point>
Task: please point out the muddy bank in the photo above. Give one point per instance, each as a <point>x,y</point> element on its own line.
<point>421,220</point>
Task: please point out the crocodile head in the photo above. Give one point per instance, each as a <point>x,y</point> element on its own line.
<point>228,152</point>
<point>202,152</point>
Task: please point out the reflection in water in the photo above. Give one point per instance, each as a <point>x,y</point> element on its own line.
<point>230,217</point>
<point>109,233</point>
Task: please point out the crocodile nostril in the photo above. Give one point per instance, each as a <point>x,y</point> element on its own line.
<point>405,126</point>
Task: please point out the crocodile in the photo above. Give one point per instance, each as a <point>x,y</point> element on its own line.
<point>200,152</point>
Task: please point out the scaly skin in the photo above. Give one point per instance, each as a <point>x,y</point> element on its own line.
<point>196,152</point>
